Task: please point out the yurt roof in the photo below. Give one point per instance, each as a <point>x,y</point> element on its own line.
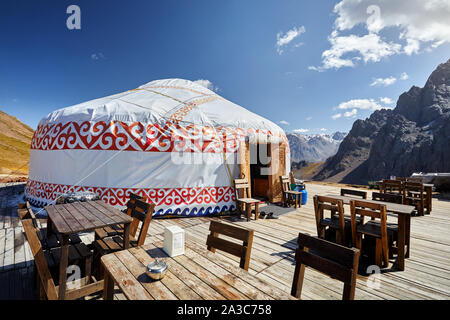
<point>161,100</point>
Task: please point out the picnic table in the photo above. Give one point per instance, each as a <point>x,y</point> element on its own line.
<point>72,218</point>
<point>403,213</point>
<point>198,274</point>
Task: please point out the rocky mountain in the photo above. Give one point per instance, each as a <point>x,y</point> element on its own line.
<point>413,137</point>
<point>314,147</point>
<point>15,140</point>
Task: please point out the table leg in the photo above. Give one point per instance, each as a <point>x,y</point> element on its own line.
<point>63,266</point>
<point>49,226</point>
<point>126,236</point>
<point>401,242</point>
<point>408,235</point>
<point>108,290</point>
<point>429,191</point>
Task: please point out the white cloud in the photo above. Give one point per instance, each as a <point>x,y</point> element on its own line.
<point>97,56</point>
<point>404,76</point>
<point>309,118</point>
<point>363,104</point>
<point>300,130</point>
<point>284,122</point>
<point>323,129</point>
<point>387,100</point>
<point>336,116</point>
<point>383,82</point>
<point>412,26</point>
<point>207,84</point>
<point>284,39</point>
<point>352,113</point>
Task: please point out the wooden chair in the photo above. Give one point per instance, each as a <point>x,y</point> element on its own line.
<point>141,212</point>
<point>47,241</point>
<point>392,186</point>
<point>79,253</point>
<point>336,261</point>
<point>290,197</point>
<point>337,221</point>
<point>117,229</point>
<point>354,193</point>
<point>376,228</point>
<point>245,200</point>
<point>48,289</point>
<point>243,251</point>
<point>387,197</point>
<point>413,194</point>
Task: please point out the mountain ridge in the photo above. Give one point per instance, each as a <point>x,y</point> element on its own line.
<point>313,147</point>
<point>413,137</point>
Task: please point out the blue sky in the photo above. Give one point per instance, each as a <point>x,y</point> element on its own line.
<point>233,44</point>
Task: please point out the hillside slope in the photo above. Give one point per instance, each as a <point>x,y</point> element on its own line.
<point>414,137</point>
<point>15,140</point>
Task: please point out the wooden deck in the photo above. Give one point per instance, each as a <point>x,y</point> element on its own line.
<point>426,275</point>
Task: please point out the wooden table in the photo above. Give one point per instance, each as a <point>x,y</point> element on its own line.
<point>403,213</point>
<point>198,274</point>
<point>428,188</point>
<point>72,218</point>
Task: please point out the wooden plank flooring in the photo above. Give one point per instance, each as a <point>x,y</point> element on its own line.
<point>426,275</point>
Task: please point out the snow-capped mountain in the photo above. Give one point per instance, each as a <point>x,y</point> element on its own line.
<point>314,147</point>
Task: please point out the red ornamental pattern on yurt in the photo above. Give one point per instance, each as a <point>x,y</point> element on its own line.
<point>120,196</point>
<point>118,135</point>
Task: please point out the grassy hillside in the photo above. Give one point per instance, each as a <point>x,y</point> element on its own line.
<point>15,140</point>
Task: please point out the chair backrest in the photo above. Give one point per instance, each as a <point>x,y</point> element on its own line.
<point>392,186</point>
<point>387,197</point>
<point>245,235</point>
<point>413,186</point>
<point>414,179</point>
<point>335,206</point>
<point>25,212</point>
<point>334,260</point>
<point>141,212</point>
<point>364,209</point>
<point>241,185</point>
<point>357,193</point>
<point>285,183</point>
<point>39,260</point>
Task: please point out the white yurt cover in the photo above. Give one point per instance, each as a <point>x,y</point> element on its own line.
<point>166,140</point>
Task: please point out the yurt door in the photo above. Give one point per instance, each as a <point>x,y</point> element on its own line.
<point>244,163</point>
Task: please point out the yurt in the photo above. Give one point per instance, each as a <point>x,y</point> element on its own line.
<point>173,141</point>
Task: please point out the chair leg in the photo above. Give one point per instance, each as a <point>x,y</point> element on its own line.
<point>378,252</point>
<point>256,211</point>
<point>249,211</point>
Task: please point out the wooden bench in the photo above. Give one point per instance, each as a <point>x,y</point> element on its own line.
<point>387,197</point>
<point>47,287</point>
<point>354,193</point>
<point>243,199</point>
<point>243,251</point>
<point>336,261</point>
<point>290,197</point>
